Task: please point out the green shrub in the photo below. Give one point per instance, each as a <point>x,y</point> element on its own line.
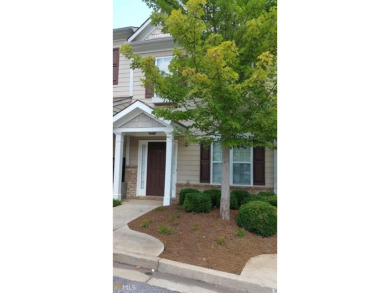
<point>221,240</point>
<point>233,201</point>
<point>214,193</point>
<point>183,193</point>
<point>116,202</point>
<point>271,199</point>
<point>251,198</point>
<point>165,230</point>
<point>197,202</point>
<point>266,193</point>
<point>240,233</point>
<point>145,224</point>
<point>240,195</point>
<point>258,217</point>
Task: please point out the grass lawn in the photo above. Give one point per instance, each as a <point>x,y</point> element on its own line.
<point>203,239</point>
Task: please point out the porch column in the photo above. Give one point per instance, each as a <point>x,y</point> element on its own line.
<point>117,194</point>
<point>168,170</point>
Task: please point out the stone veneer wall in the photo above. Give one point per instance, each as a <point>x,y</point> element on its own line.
<point>131,180</point>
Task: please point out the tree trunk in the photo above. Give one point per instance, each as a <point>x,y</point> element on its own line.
<point>224,210</point>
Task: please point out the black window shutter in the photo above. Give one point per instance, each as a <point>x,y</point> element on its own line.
<point>123,168</point>
<point>204,164</point>
<point>149,92</point>
<point>259,166</point>
<point>115,65</point>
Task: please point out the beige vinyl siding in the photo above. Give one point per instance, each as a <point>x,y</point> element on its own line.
<point>188,163</point>
<point>138,88</point>
<point>122,89</point>
<point>158,54</point>
<point>134,151</point>
<point>157,34</point>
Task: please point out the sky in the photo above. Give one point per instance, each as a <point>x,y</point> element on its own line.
<point>129,13</point>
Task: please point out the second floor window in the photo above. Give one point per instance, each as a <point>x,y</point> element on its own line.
<point>163,63</point>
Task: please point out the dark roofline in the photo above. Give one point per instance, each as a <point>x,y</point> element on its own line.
<point>134,28</point>
<point>124,32</point>
<point>138,28</point>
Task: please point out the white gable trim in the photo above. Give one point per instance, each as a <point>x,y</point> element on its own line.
<point>137,106</point>
<point>140,37</point>
<point>147,120</point>
<point>139,30</point>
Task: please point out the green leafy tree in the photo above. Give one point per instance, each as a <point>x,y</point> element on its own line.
<point>222,79</point>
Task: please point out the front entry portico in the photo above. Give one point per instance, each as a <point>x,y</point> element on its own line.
<point>155,175</point>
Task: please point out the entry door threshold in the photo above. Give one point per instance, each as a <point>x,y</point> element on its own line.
<point>152,197</point>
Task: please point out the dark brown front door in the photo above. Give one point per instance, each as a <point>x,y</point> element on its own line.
<point>156,168</point>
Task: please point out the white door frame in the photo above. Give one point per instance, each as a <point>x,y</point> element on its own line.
<point>142,192</point>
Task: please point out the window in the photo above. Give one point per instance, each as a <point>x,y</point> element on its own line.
<point>217,163</point>
<point>240,165</point>
<point>162,63</point>
<point>143,165</point>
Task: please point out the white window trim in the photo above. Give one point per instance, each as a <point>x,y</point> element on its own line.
<point>155,98</point>
<point>142,192</point>
<point>231,167</point>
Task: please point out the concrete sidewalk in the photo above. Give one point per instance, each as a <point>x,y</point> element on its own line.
<point>139,249</point>
<point>262,268</point>
<point>127,241</point>
<point>131,209</point>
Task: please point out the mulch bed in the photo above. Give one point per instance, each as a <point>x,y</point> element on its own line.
<point>195,238</point>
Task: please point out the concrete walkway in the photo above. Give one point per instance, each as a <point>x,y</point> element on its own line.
<point>128,241</point>
<point>262,268</point>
